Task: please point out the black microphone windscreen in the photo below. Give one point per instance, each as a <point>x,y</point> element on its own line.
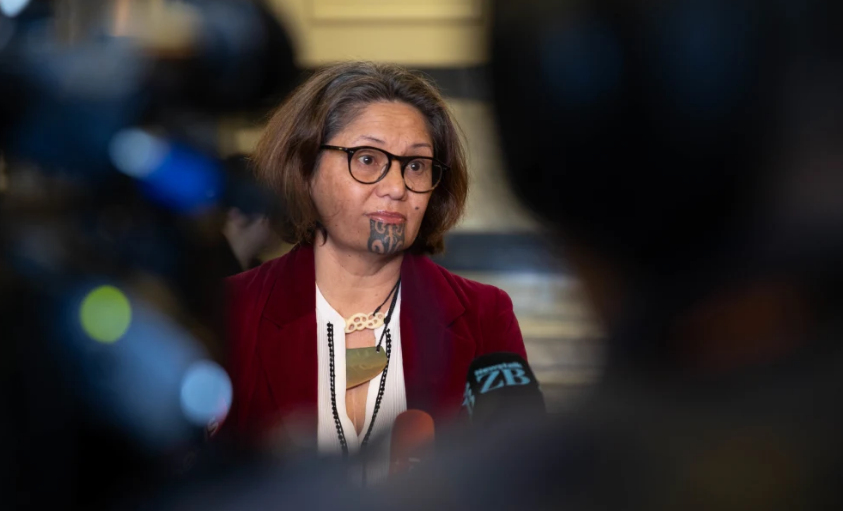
<point>501,387</point>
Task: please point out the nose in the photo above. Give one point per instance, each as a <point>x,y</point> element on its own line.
<point>392,185</point>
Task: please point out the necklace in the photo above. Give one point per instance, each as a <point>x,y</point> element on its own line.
<point>381,388</point>
<point>363,364</point>
<point>375,320</point>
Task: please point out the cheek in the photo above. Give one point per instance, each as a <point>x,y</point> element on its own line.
<point>324,192</point>
<point>318,192</point>
<point>418,208</point>
<point>339,203</point>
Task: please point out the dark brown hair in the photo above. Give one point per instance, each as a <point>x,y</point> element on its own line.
<point>288,152</point>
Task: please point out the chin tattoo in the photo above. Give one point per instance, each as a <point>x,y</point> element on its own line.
<point>385,238</point>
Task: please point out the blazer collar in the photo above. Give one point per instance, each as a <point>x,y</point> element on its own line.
<point>429,307</point>
<point>427,292</point>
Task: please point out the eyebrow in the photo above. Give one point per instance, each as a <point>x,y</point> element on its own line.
<point>370,139</point>
<point>379,141</point>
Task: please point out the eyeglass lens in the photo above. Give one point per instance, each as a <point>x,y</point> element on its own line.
<point>420,174</point>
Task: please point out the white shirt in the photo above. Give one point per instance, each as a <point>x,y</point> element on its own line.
<point>394,399</point>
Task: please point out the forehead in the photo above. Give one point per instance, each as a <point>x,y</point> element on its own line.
<point>390,123</point>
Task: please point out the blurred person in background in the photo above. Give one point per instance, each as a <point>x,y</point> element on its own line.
<point>355,325</point>
<point>248,228</point>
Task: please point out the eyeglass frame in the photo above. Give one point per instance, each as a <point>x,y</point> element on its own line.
<point>403,160</point>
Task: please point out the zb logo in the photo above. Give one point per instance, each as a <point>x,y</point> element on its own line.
<point>468,398</point>
<point>502,375</point>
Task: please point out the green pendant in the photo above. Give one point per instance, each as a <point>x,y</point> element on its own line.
<point>363,364</point>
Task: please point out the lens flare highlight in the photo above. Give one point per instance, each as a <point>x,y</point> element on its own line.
<point>205,393</point>
<point>105,314</point>
<point>12,8</point>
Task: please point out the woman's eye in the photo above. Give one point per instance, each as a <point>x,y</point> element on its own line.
<point>417,166</point>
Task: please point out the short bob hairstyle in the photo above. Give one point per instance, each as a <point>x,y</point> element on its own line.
<point>287,154</point>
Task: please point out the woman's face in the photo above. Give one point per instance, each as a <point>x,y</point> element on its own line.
<point>382,218</point>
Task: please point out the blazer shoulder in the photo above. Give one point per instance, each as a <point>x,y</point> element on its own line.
<point>490,312</point>
<point>246,293</point>
<point>252,282</point>
<point>477,296</point>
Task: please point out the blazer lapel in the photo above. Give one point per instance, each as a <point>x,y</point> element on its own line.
<point>287,339</point>
<point>431,350</point>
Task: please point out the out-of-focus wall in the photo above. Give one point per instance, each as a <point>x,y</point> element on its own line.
<point>421,33</point>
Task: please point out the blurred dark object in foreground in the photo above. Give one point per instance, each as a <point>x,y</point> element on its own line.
<point>110,301</point>
<point>687,145</point>
<point>66,100</point>
<point>689,157</point>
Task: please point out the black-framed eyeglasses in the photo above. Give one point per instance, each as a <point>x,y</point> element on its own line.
<point>368,165</point>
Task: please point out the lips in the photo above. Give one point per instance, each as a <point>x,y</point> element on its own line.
<point>387,217</point>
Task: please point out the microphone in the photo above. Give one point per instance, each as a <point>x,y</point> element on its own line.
<point>412,441</point>
<point>501,388</point>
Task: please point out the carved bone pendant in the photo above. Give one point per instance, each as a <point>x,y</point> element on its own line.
<point>361,321</point>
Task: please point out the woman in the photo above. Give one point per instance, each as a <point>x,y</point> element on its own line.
<point>356,324</point>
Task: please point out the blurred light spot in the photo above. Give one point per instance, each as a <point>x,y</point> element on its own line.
<point>137,153</point>
<point>171,174</point>
<point>205,393</point>
<point>105,314</point>
<point>186,180</point>
<point>12,8</point>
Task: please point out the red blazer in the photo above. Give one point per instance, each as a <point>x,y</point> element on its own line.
<point>446,321</point>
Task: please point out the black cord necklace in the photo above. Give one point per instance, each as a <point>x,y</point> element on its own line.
<point>381,388</point>
<point>394,288</point>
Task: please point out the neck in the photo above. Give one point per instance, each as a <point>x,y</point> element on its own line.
<point>354,281</point>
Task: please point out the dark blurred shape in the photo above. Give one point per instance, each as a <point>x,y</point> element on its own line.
<point>250,211</point>
<point>110,296</point>
<point>668,137</point>
<point>66,101</point>
<point>242,58</point>
<point>244,192</point>
<point>686,155</point>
